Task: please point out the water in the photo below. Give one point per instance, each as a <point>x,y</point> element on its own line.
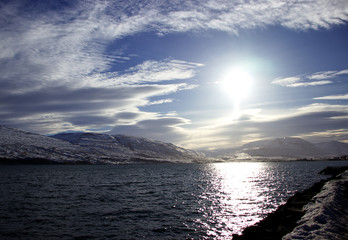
<point>163,201</point>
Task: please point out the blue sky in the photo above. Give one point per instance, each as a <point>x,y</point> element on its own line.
<point>201,74</point>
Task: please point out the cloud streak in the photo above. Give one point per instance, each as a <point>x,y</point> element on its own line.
<point>67,108</point>
<point>232,16</point>
<point>334,97</point>
<point>145,73</point>
<point>327,74</point>
<point>166,129</point>
<point>315,79</point>
<point>298,82</point>
<point>313,122</point>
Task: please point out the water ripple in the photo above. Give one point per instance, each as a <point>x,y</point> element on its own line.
<point>167,201</point>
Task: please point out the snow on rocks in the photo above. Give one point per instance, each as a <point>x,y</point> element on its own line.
<point>327,216</point>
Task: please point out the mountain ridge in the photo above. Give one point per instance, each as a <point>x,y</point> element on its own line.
<point>93,148</point>
<point>100,148</point>
<point>290,148</point>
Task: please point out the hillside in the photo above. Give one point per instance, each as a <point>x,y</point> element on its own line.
<point>97,148</point>
<point>94,148</point>
<point>286,149</point>
<point>333,148</point>
<point>130,148</point>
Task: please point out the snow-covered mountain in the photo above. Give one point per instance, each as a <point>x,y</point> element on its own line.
<point>133,148</point>
<point>289,148</point>
<point>333,148</point>
<point>256,144</point>
<point>18,144</point>
<point>285,147</point>
<point>97,148</point>
<point>92,148</point>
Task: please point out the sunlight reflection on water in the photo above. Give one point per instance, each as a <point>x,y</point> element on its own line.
<point>233,198</point>
<point>145,201</point>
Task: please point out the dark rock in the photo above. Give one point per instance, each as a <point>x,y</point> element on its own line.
<point>334,171</point>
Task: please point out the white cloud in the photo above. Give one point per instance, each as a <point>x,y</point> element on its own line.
<point>232,16</point>
<point>305,84</point>
<point>53,49</point>
<point>70,108</point>
<point>307,121</point>
<point>168,100</point>
<point>292,14</point>
<point>327,74</point>
<point>333,97</point>
<point>155,71</point>
<point>322,107</point>
<point>287,82</point>
<point>314,14</point>
<point>315,79</point>
<point>298,82</point>
<point>326,135</point>
<point>167,129</point>
<point>146,72</point>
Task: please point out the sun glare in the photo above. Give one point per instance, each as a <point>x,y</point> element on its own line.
<point>236,83</point>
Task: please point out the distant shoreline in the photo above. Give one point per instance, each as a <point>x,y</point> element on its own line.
<point>44,161</point>
<point>39,161</point>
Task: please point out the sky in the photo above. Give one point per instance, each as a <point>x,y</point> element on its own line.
<point>201,74</point>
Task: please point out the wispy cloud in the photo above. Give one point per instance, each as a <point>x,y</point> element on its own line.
<point>162,128</point>
<point>327,74</point>
<point>311,122</point>
<point>298,82</point>
<point>168,100</point>
<point>287,82</point>
<point>318,78</point>
<point>232,16</point>
<point>334,97</point>
<point>155,71</point>
<point>305,84</point>
<point>147,72</point>
<point>61,107</point>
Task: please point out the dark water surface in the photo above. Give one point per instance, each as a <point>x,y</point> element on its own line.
<point>155,201</point>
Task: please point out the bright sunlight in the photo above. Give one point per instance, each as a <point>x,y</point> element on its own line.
<point>237,83</point>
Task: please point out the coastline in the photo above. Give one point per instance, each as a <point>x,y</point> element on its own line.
<point>289,220</point>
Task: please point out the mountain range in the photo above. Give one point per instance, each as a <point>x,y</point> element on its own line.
<point>96,148</point>
<point>93,148</point>
<point>287,148</point>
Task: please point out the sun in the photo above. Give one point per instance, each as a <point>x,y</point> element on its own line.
<point>236,83</point>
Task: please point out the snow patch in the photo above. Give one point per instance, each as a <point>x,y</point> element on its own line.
<point>327,216</point>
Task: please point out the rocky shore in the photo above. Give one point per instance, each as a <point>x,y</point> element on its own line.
<point>300,216</point>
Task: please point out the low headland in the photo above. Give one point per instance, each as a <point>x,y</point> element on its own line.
<point>301,216</point>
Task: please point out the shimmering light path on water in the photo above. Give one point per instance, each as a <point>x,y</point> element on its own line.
<point>163,201</point>
<point>238,195</point>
